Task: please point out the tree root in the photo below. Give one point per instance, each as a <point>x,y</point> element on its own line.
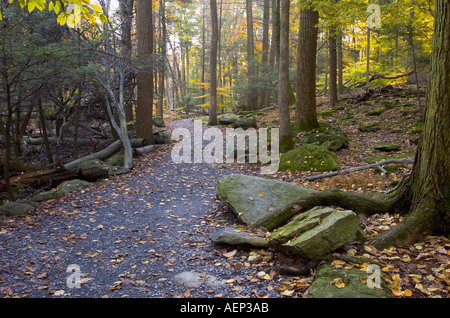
<point>358,203</point>
<point>399,202</point>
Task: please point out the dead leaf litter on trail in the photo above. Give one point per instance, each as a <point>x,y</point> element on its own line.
<point>132,234</point>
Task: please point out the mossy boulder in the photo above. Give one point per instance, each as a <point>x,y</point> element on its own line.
<point>309,158</point>
<point>259,201</point>
<point>332,282</point>
<point>158,121</point>
<point>227,119</point>
<point>14,209</point>
<point>162,138</point>
<point>245,123</point>
<point>317,232</point>
<point>370,127</point>
<point>387,147</point>
<point>116,159</point>
<point>62,189</point>
<point>376,112</point>
<point>328,136</point>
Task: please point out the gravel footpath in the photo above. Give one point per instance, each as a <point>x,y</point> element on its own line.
<point>129,236</point>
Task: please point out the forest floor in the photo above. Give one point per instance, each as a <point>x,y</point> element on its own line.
<point>131,234</point>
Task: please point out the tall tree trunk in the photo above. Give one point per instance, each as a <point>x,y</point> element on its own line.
<point>429,185</point>
<point>252,98</point>
<point>7,130</point>
<point>162,69</point>
<point>213,65</point>
<point>76,125</point>
<point>333,67</point>
<point>265,96</point>
<point>340,86</point>
<point>126,12</point>
<point>188,79</point>
<point>305,108</point>
<point>144,108</point>
<point>45,135</point>
<point>368,59</point>
<point>219,46</point>
<point>275,49</point>
<point>203,51</point>
<point>340,64</point>
<point>286,142</point>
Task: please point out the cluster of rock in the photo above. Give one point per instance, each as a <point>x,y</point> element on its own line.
<point>237,122</point>
<point>25,206</point>
<point>270,204</point>
<point>309,235</point>
<point>316,151</point>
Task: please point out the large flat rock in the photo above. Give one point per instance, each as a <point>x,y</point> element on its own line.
<point>317,232</point>
<point>259,201</point>
<point>353,284</point>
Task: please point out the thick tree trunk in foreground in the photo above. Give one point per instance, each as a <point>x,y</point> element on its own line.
<point>305,108</point>
<point>429,184</point>
<point>425,196</point>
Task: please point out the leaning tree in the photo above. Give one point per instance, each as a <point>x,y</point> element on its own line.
<point>424,196</point>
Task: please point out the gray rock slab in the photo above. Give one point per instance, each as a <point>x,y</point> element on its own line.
<point>14,209</point>
<point>324,233</point>
<point>259,201</point>
<point>192,279</point>
<point>63,188</point>
<point>353,283</point>
<point>232,235</point>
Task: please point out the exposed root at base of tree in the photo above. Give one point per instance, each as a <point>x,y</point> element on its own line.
<point>416,224</point>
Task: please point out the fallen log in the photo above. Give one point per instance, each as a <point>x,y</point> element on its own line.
<point>36,141</point>
<point>143,150</point>
<point>138,142</point>
<point>53,177</point>
<point>20,166</point>
<point>101,155</point>
<point>368,166</point>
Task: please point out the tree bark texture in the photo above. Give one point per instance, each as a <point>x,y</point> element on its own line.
<point>286,142</point>
<point>252,96</point>
<point>144,107</point>
<point>213,64</point>
<point>429,185</point>
<point>305,108</point>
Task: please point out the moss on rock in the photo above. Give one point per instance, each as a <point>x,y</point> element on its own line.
<point>309,158</point>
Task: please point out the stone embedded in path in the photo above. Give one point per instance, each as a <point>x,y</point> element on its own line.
<point>235,236</point>
<point>259,201</point>
<point>193,279</point>
<point>317,232</point>
<point>331,282</point>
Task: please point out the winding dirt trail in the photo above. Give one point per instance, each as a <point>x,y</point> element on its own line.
<point>129,236</point>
